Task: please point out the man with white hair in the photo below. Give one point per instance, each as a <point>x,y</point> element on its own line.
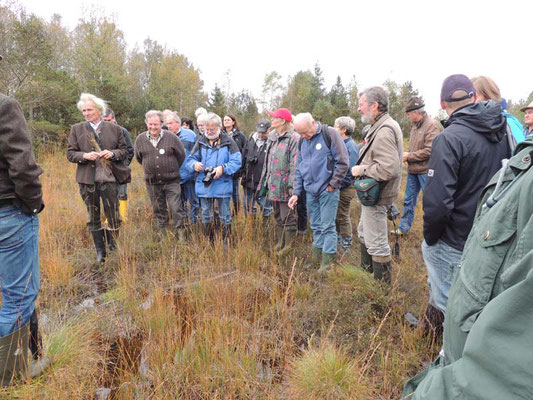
<point>99,149</point>
<point>215,157</point>
<point>322,165</point>
<point>528,119</point>
<point>161,154</point>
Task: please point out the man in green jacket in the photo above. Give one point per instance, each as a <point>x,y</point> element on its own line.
<point>487,349</point>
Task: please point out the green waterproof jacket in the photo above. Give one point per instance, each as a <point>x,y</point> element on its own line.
<point>488,331</point>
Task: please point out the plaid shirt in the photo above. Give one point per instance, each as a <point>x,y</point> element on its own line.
<point>153,140</point>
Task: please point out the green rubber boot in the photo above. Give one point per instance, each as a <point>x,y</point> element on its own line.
<point>14,355</point>
<point>382,268</point>
<point>279,237</point>
<point>328,259</point>
<point>289,237</point>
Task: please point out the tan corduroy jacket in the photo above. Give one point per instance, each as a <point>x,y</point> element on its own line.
<point>420,142</point>
<point>383,161</point>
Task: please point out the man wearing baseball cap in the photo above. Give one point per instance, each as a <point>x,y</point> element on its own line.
<point>528,119</point>
<point>463,159</point>
<point>421,139</point>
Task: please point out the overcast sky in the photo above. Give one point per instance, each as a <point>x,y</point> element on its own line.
<point>421,41</point>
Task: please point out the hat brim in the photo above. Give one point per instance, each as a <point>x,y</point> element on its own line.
<point>526,108</point>
<point>414,108</point>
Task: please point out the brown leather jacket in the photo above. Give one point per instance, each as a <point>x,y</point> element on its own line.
<point>79,142</point>
<point>420,142</point>
<point>19,172</point>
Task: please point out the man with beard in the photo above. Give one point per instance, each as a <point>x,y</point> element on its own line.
<point>215,157</point>
<point>381,159</point>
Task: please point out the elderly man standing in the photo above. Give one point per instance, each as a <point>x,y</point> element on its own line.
<point>20,202</point>
<point>322,165</point>
<point>188,138</point>
<point>381,159</point>
<point>99,150</point>
<point>216,157</point>
<point>528,119</point>
<point>421,138</point>
<point>464,157</point>
<point>161,154</point>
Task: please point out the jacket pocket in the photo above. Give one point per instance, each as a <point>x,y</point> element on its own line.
<point>483,258</point>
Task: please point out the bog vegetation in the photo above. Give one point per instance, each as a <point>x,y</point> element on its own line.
<point>165,321</point>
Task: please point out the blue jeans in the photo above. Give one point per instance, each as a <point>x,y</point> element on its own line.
<point>208,208</point>
<point>415,182</point>
<point>188,194</point>
<point>19,267</point>
<point>251,200</point>
<point>322,210</point>
<point>442,262</point>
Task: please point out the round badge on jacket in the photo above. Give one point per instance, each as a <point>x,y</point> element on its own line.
<point>318,146</point>
<point>161,151</point>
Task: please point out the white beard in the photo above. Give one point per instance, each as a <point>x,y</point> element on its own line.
<point>212,136</point>
<point>367,119</point>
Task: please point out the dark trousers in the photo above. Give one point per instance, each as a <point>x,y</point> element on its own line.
<point>188,194</point>
<point>285,217</point>
<point>301,210</point>
<point>91,195</point>
<point>235,195</point>
<point>163,195</point>
<point>123,191</point>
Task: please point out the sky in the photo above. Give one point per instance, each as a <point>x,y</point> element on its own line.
<point>236,43</point>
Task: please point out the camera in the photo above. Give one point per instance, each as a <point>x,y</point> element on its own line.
<point>209,175</point>
<point>252,160</point>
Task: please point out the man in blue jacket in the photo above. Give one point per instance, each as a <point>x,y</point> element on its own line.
<point>322,166</point>
<point>464,157</point>
<point>216,157</point>
<point>188,138</point>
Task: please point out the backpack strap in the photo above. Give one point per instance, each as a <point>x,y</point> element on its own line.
<point>369,144</point>
<point>325,133</point>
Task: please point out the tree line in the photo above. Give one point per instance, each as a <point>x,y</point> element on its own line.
<point>47,66</point>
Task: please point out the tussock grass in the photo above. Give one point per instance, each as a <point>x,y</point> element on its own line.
<point>162,320</point>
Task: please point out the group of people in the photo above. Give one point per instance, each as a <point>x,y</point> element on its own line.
<point>474,170</point>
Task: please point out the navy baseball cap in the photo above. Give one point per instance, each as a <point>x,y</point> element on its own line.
<point>454,83</point>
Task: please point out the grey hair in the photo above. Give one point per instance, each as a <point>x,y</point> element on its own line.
<point>421,110</point>
<point>109,113</point>
<point>174,115</point>
<point>303,117</point>
<point>346,123</point>
<point>153,113</point>
<point>200,111</point>
<point>97,101</point>
<point>379,95</point>
<point>212,118</point>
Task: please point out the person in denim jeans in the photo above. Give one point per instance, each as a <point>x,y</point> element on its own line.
<point>421,139</point>
<point>322,165</point>
<point>20,202</point>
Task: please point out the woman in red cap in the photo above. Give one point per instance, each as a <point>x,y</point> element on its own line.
<point>278,175</point>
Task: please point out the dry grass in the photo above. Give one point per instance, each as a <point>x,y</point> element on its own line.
<point>166,321</point>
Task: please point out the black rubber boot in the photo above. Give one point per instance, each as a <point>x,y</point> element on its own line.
<point>36,343</point>
<point>110,236</point>
<point>432,322</point>
<point>226,235</point>
<point>382,267</point>
<point>99,244</point>
<point>366,259</point>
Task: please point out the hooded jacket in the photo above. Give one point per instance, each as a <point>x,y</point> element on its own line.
<point>225,152</point>
<point>464,157</point>
<point>487,348</point>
